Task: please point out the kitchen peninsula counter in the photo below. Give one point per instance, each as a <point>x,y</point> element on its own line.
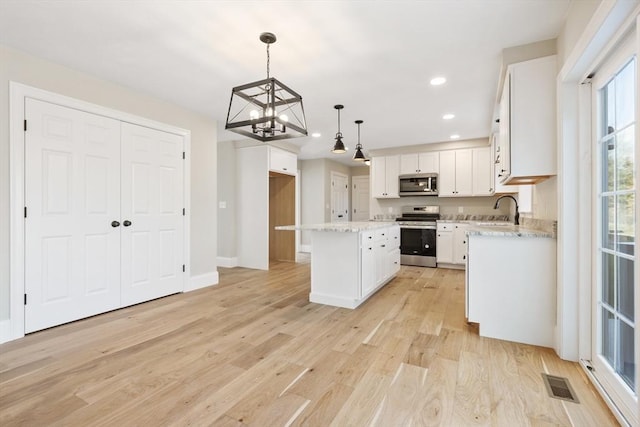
<point>350,261</point>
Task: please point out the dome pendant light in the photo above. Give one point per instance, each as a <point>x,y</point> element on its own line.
<point>339,147</point>
<point>358,156</point>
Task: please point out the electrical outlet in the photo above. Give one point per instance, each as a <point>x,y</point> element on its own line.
<point>390,209</point>
<point>460,209</point>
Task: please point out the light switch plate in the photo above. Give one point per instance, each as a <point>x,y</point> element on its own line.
<point>222,204</point>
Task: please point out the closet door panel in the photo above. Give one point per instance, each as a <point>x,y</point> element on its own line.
<point>72,195</point>
<point>152,201</point>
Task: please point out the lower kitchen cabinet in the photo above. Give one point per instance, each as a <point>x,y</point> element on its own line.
<point>451,244</point>
<point>511,288</point>
<point>349,267</point>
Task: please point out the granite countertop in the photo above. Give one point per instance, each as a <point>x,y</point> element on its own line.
<point>505,230</point>
<point>343,227</point>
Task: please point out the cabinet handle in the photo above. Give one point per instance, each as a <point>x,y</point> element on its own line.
<point>383,246</point>
<point>126,223</point>
<point>115,224</point>
<point>284,169</point>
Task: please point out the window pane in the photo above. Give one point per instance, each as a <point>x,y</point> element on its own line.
<point>627,368</point>
<point>609,105</point>
<point>608,336</point>
<point>608,279</point>
<point>625,227</point>
<point>609,164</point>
<point>624,101</point>
<point>625,159</point>
<point>608,222</point>
<point>625,287</point>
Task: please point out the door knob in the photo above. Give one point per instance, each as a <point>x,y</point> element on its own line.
<point>115,224</point>
<point>126,223</point>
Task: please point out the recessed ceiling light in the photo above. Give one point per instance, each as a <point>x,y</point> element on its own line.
<point>448,116</point>
<point>436,81</point>
<point>316,134</point>
<point>455,136</point>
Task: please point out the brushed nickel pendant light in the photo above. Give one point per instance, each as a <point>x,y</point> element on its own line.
<point>339,147</point>
<point>267,109</point>
<point>358,156</point>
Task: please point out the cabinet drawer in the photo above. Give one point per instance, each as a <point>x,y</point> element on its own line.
<point>445,226</point>
<point>367,238</point>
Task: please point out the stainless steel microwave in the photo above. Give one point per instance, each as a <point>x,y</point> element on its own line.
<point>419,184</point>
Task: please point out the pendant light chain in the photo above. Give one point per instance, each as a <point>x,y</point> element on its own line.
<point>268,59</point>
<point>340,133</point>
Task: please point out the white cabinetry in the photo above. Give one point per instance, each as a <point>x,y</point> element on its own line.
<point>528,121</point>
<point>456,179</point>
<point>282,161</point>
<point>348,267</point>
<point>444,243</point>
<point>482,171</point>
<point>420,163</point>
<point>512,278</point>
<point>499,188</point>
<point>460,244</point>
<point>451,244</point>
<point>384,177</point>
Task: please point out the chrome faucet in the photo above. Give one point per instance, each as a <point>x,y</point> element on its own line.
<point>516,219</point>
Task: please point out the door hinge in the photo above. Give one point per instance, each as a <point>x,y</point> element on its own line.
<point>184,156</point>
<point>184,268</point>
<point>25,299</point>
<point>25,125</point>
<point>25,211</point>
<point>184,212</point>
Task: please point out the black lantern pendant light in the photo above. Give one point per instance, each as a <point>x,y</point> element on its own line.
<point>339,147</point>
<point>267,109</point>
<point>358,156</point>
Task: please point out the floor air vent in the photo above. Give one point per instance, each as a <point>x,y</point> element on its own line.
<point>559,388</point>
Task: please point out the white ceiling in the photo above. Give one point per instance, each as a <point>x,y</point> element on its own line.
<point>375,57</point>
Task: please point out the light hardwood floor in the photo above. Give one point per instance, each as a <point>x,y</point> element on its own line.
<point>254,351</point>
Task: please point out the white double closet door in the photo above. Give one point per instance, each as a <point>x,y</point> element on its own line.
<point>104,224</point>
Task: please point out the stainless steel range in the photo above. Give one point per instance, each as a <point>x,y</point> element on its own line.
<point>418,235</point>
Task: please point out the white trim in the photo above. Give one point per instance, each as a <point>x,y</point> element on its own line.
<point>603,393</point>
<point>17,94</point>
<point>227,262</point>
<point>5,331</point>
<point>305,248</point>
<point>202,281</point>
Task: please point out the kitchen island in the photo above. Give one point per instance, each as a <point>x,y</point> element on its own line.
<point>350,261</point>
<point>511,283</point>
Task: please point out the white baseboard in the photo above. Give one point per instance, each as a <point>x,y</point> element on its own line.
<point>228,262</point>
<point>305,248</point>
<point>202,281</point>
<point>5,331</point>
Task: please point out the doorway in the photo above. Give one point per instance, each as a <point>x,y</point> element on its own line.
<point>339,197</point>
<point>360,198</point>
<point>613,355</point>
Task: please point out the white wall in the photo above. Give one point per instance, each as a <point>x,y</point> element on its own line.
<point>22,68</point>
<point>227,189</point>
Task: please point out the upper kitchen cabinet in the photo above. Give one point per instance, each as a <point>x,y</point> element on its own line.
<point>482,171</point>
<point>384,177</point>
<point>420,163</point>
<point>499,188</point>
<point>456,179</point>
<point>282,161</point>
<point>528,122</point>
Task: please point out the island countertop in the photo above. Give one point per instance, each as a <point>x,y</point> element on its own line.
<point>342,227</point>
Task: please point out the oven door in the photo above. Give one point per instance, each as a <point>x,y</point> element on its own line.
<point>418,240</point>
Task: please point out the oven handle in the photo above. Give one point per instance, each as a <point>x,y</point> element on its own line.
<point>418,227</point>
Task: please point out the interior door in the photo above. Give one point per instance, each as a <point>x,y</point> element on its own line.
<point>360,198</point>
<point>72,196</point>
<point>339,197</point>
<point>152,214</point>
